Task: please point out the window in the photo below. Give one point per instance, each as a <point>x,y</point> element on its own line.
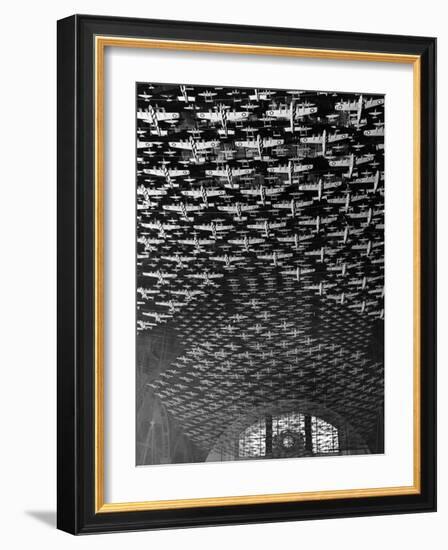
<point>290,434</point>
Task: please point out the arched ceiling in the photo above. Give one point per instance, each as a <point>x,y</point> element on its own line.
<point>260,259</point>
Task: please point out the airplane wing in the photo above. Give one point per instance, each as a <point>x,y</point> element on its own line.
<point>303,111</point>
<point>180,144</point>
<point>273,142</point>
<point>277,225</point>
<point>174,172</point>
<point>246,144</point>
<point>142,115</point>
<point>201,145</point>
<point>337,137</point>
<point>311,139</point>
<point>274,191</point>
<point>308,187</point>
<point>216,193</point>
<point>213,117</point>
<point>167,116</point>
<point>203,227</point>
<point>278,169</point>
<point>279,113</point>
<point>242,171</point>
<point>340,162</point>
<point>154,171</point>
<point>373,103</point>
<point>155,192</point>
<point>346,106</point>
<point>302,167</point>
<point>151,225</point>
<point>331,184</point>
<point>221,173</point>
<point>374,132</point>
<point>286,239</point>
<point>145,144</point>
<point>228,259</point>
<point>364,159</point>
<point>365,179</point>
<point>232,116</point>
<point>254,240</point>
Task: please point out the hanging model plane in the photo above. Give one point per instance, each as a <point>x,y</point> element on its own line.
<point>204,193</point>
<point>324,139</point>
<point>293,205</point>
<point>167,173</point>
<point>206,277</point>
<point>263,192</point>
<point>290,169</point>
<point>155,115</point>
<point>227,260</point>
<point>184,95</point>
<point>259,144</point>
<point>238,209</point>
<point>161,276</point>
<point>195,147</point>
<point>298,272</point>
<point>266,226</point>
<point>214,228</point>
<point>320,187</point>
<point>292,112</point>
<point>182,208</point>
<point>358,106</point>
<point>246,242</point>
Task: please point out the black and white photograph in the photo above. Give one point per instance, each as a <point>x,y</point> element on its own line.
<point>260,273</point>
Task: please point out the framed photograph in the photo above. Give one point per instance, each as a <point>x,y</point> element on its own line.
<point>246,271</point>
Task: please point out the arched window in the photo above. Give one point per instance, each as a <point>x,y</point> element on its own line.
<point>286,430</point>
<point>290,434</point>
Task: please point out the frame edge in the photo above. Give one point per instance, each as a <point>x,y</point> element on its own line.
<point>72,482</point>
<point>67,452</point>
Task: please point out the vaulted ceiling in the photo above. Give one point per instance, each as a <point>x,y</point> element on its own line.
<point>260,255</point>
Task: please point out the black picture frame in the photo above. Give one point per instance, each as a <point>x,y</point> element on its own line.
<point>76,286</point>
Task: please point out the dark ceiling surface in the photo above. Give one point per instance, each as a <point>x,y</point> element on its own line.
<point>260,255</point>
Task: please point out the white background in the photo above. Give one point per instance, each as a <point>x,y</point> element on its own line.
<point>28,275</point>
<point>124,482</point>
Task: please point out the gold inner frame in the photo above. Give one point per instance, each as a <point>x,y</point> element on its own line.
<point>101,42</point>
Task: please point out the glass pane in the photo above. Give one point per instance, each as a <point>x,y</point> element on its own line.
<point>290,437</point>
